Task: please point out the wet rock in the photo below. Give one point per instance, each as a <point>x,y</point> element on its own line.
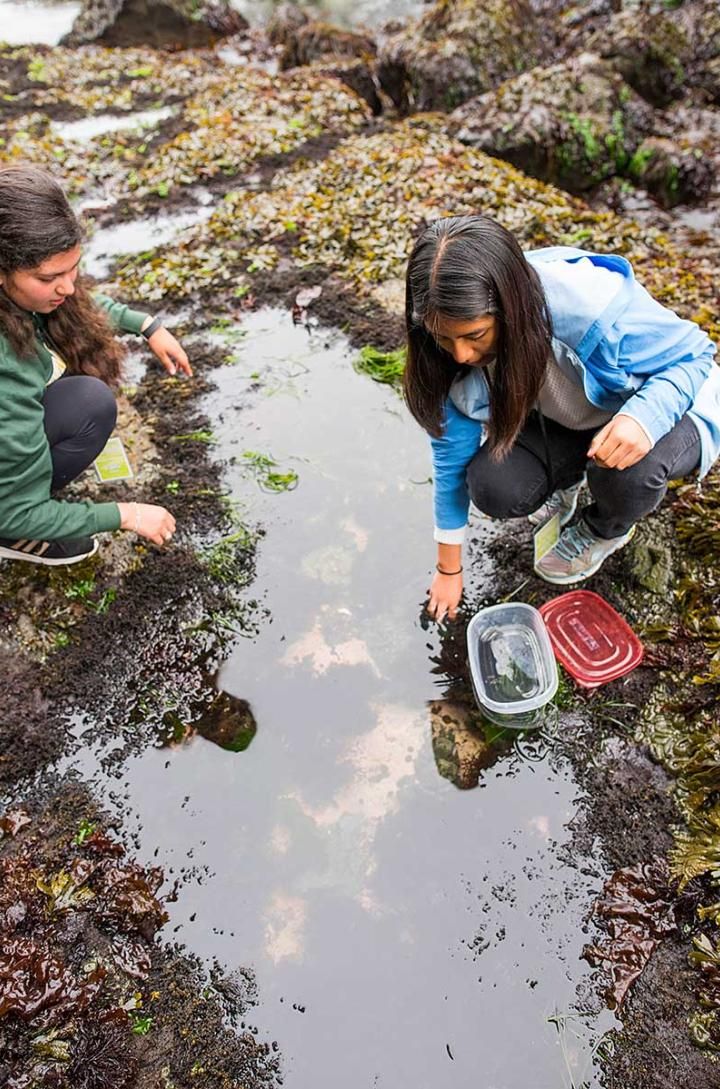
<point>162,24</point>
<point>355,73</point>
<point>456,50</point>
<point>701,22</point>
<point>651,565</point>
<point>573,124</point>
<point>284,23</point>
<point>649,49</point>
<point>313,40</point>
<point>674,173</point>
<point>331,51</point>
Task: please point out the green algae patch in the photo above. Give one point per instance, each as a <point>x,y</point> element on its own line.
<point>384,367</point>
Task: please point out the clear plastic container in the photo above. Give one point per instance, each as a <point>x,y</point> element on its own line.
<point>512,664</point>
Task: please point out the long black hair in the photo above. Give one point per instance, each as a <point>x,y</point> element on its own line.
<point>36,222</point>
<point>463,268</point>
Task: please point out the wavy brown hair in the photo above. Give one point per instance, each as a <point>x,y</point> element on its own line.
<point>466,267</point>
<point>36,222</point>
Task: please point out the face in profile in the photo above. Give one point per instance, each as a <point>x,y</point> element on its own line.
<point>45,288</point>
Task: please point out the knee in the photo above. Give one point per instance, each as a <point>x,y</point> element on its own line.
<point>496,493</point>
<point>643,476</point>
<point>100,404</point>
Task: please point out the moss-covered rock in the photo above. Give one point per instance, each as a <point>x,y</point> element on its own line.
<point>673,173</point>
<point>456,50</point>
<point>574,123</point>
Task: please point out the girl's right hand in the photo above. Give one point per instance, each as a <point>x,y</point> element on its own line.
<point>445,594</point>
<point>153,523</point>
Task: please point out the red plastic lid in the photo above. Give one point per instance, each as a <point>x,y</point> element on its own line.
<point>590,639</point>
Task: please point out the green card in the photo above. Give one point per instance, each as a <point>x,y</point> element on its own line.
<point>112,463</point>
<point>546,536</point>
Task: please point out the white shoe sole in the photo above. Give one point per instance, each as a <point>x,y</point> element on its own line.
<point>27,557</point>
<point>566,580</point>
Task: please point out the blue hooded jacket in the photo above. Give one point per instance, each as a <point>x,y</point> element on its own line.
<point>630,354</point>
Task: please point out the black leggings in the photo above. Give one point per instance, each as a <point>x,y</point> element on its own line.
<point>521,483</point>
<point>80,414</point>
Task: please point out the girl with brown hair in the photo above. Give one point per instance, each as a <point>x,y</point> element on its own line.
<point>59,363</point>
<point>537,373</point>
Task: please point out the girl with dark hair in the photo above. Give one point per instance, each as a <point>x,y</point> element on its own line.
<point>59,362</point>
<point>537,373</point>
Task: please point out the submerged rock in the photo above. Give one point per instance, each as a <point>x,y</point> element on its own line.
<point>458,49</point>
<point>573,124</point>
<point>460,748</point>
<point>162,24</point>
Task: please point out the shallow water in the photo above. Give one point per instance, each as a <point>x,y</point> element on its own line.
<point>342,12</point>
<point>23,22</point>
<point>110,244</point>
<point>403,932</point>
<point>89,127</point>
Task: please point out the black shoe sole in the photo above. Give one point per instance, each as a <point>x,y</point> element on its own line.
<point>27,557</point>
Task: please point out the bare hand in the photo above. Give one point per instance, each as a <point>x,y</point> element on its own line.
<point>445,594</point>
<point>153,523</point>
<point>619,444</point>
<point>169,351</point>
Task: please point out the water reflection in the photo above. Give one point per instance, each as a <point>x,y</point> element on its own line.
<point>402,930</point>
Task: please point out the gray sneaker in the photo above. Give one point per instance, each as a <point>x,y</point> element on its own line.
<point>578,554</point>
<point>564,502</point>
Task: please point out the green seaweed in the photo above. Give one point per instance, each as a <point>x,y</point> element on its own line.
<point>385,367</point>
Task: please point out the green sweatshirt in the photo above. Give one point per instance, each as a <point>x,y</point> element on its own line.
<point>26,509</point>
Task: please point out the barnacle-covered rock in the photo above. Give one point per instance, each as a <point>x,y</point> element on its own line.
<point>316,39</point>
<point>284,22</point>
<point>574,123</point>
<point>456,50</point>
<point>701,22</point>
<point>164,24</point>
<point>650,49</point>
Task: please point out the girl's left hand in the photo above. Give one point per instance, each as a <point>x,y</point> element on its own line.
<point>169,351</point>
<point>619,444</point>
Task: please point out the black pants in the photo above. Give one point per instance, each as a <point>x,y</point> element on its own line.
<point>80,414</point>
<point>522,482</point>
